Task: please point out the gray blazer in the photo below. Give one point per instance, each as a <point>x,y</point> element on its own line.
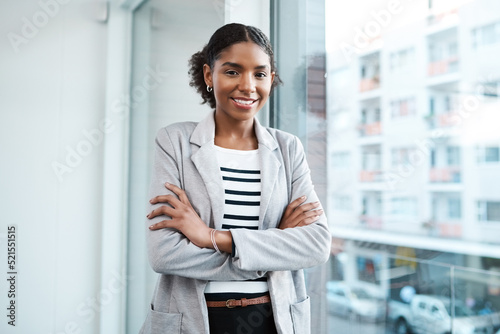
<point>185,156</point>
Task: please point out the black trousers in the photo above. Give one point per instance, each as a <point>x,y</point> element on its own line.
<point>252,319</point>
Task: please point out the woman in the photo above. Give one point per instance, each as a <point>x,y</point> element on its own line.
<point>234,217</point>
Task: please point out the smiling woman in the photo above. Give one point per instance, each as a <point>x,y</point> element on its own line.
<point>234,217</point>
<point>241,86</point>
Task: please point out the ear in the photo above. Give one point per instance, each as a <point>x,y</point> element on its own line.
<point>272,78</point>
<point>207,74</point>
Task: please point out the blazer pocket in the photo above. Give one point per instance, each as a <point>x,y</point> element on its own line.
<point>301,316</point>
<point>163,323</point>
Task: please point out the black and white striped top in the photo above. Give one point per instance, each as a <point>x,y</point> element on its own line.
<point>240,172</point>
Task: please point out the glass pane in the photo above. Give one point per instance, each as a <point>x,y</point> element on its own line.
<point>477,300</point>
<point>424,177</point>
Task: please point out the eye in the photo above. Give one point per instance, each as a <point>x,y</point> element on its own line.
<point>261,75</point>
<point>231,72</point>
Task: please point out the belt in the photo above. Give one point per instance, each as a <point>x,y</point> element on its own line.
<point>243,302</point>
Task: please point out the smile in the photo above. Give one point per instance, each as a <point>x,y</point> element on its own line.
<point>244,102</point>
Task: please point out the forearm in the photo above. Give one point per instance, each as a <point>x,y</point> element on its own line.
<point>276,250</point>
<point>172,253</point>
<point>224,241</point>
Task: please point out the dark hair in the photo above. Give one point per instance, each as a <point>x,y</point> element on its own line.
<point>223,38</point>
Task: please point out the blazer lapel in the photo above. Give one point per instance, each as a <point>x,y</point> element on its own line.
<point>209,171</point>
<point>206,164</point>
<point>270,167</point>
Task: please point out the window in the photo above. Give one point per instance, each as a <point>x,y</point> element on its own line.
<point>403,107</point>
<point>488,154</point>
<point>403,206</point>
<point>454,208</point>
<point>488,211</point>
<point>401,59</point>
<point>435,147</point>
<point>339,293</point>
<point>371,159</point>
<point>486,35</point>
<point>491,89</point>
<point>401,156</point>
<point>453,155</point>
<point>442,51</point>
<point>368,269</point>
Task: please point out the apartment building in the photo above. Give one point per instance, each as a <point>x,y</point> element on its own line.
<point>414,150</point>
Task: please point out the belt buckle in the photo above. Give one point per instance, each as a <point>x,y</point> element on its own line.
<point>228,301</point>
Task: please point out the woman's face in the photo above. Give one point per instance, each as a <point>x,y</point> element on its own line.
<point>241,79</point>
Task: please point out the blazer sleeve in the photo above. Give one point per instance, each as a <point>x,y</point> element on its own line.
<point>293,248</point>
<point>169,251</point>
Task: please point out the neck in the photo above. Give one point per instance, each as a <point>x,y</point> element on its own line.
<point>234,134</point>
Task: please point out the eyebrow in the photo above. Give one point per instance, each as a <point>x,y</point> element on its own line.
<point>228,63</point>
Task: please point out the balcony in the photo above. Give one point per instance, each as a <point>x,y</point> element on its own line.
<point>370,176</point>
<point>449,230</point>
<point>450,16</point>
<point>444,66</point>
<point>371,221</point>
<point>370,129</point>
<point>443,228</point>
<point>369,84</point>
<point>445,175</point>
<point>443,120</point>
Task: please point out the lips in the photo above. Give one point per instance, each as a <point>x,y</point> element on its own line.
<point>243,102</point>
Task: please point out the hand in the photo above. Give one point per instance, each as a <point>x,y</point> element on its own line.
<point>299,214</point>
<point>184,217</point>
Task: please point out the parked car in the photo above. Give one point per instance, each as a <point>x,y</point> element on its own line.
<point>354,302</point>
<point>432,315</point>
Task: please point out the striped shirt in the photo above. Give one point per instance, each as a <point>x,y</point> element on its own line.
<point>240,173</point>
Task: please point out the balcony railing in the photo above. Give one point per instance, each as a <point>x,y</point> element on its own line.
<point>445,175</point>
<point>443,66</point>
<point>443,120</point>
<point>450,230</point>
<point>441,17</point>
<point>371,129</point>
<point>368,84</point>
<point>371,221</point>
<point>370,176</point>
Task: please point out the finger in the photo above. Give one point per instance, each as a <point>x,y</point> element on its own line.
<point>304,208</point>
<point>163,199</point>
<point>162,210</point>
<point>173,188</point>
<point>162,224</point>
<point>311,217</point>
<point>294,204</point>
<point>179,192</point>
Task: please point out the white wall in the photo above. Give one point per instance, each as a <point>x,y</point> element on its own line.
<point>52,90</point>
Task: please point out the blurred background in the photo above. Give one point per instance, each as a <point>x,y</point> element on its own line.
<point>397,104</point>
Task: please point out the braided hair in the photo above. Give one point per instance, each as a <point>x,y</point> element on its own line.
<point>223,38</point>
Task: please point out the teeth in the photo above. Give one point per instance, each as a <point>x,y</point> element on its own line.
<point>247,102</point>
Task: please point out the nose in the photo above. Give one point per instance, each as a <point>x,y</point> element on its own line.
<point>247,83</point>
